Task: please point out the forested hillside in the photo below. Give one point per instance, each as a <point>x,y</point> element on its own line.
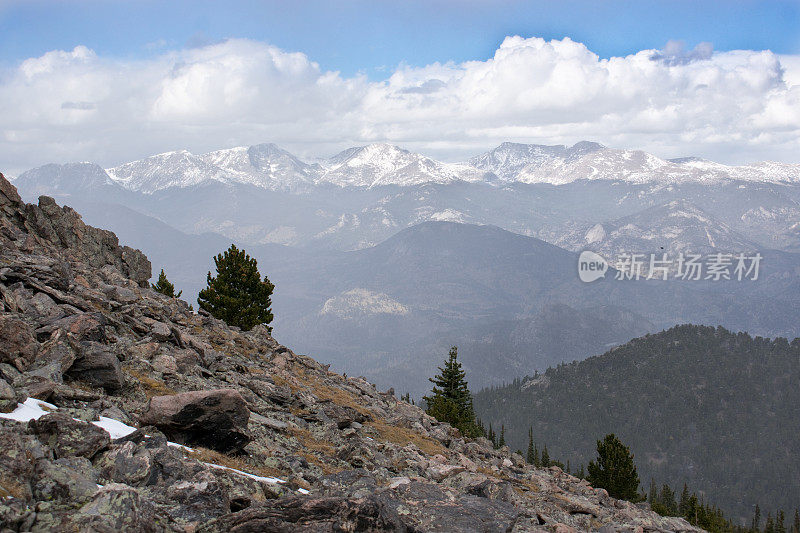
<point>698,405</point>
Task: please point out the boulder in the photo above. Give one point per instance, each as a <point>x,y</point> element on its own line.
<point>200,499</point>
<point>69,437</point>
<point>70,478</point>
<point>18,346</point>
<point>20,452</point>
<point>97,365</point>
<point>115,507</point>
<point>129,463</point>
<point>215,419</point>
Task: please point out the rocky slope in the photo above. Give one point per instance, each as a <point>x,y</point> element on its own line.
<point>122,410</point>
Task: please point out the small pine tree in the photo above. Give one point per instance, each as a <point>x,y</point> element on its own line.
<point>667,499</point>
<point>796,525</point>
<point>614,469</point>
<point>165,287</point>
<point>652,497</point>
<point>770,525</point>
<point>237,294</point>
<point>755,525</point>
<point>780,519</point>
<point>502,441</point>
<point>545,457</point>
<point>529,457</point>
<point>450,400</point>
<point>683,505</point>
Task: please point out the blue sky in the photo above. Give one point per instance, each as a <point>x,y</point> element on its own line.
<point>375,36</point>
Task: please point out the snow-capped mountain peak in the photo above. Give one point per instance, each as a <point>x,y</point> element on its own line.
<point>170,169</point>
<point>385,164</point>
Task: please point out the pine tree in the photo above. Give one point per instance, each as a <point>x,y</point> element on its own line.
<point>667,499</point>
<point>796,526</point>
<point>502,441</point>
<point>770,526</point>
<point>545,457</point>
<point>683,505</point>
<point>450,400</point>
<point>614,469</point>
<point>529,457</point>
<point>755,525</point>
<point>652,497</point>
<point>537,462</point>
<point>780,519</point>
<point>165,287</point>
<point>237,294</point>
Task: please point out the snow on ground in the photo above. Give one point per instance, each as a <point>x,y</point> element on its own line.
<point>115,428</point>
<point>31,409</point>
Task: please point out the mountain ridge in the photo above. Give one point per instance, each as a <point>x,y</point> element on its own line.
<point>378,164</point>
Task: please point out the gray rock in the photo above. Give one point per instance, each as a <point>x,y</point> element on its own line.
<point>200,499</point>
<point>97,365</point>
<point>71,479</point>
<point>116,507</point>
<point>160,331</point>
<point>69,437</point>
<point>8,398</point>
<point>129,463</point>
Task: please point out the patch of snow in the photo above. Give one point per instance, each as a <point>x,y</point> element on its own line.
<point>180,446</point>
<point>115,428</point>
<point>30,409</point>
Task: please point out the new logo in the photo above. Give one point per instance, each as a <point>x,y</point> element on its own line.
<point>591,266</point>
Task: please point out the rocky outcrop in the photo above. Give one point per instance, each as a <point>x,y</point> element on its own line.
<point>161,419</point>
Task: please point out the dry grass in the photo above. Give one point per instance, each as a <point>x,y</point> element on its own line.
<point>404,436</point>
<point>316,451</point>
<point>152,387</point>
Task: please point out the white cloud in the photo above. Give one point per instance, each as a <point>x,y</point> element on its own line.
<point>75,105</point>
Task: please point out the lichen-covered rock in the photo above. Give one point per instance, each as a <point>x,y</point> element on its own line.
<point>71,479</point>
<point>69,437</point>
<point>128,463</point>
<point>215,419</point>
<point>116,507</point>
<point>19,455</point>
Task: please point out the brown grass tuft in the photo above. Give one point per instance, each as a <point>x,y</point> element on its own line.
<point>404,436</point>
<point>152,387</point>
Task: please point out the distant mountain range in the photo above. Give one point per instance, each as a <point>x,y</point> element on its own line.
<point>383,258</point>
<point>270,167</point>
<point>697,405</point>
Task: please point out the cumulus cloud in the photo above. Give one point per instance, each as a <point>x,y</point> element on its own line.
<point>75,105</point>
